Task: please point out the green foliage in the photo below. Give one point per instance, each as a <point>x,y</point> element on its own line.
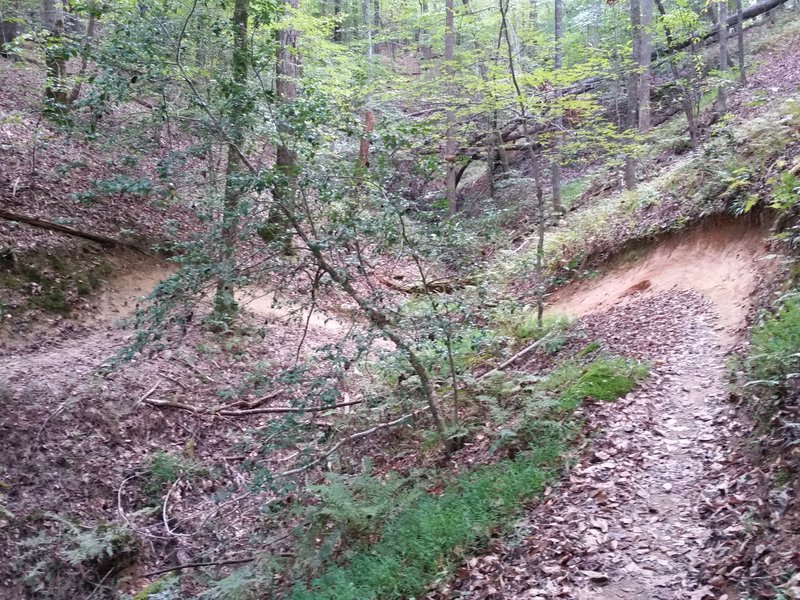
<point>604,379</point>
<point>774,355</point>
<point>61,563</point>
<point>164,469</point>
<point>434,532</point>
<point>426,535</point>
<point>350,509</point>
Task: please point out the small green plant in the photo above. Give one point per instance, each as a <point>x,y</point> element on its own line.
<point>72,558</point>
<point>164,469</point>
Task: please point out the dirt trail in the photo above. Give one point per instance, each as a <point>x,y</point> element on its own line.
<point>631,520</point>
<point>721,261</point>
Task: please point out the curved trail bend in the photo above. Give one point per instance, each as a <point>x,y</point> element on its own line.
<point>629,522</point>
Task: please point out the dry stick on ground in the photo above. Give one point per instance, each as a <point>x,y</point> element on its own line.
<point>253,411</point>
<point>165,510</point>
<point>213,563</point>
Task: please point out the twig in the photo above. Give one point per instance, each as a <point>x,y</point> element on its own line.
<point>48,419</point>
<point>213,563</point>
<point>120,510</point>
<point>351,438</point>
<point>164,510</point>
<point>245,412</point>
<point>149,392</point>
<point>515,358</point>
<point>202,375</point>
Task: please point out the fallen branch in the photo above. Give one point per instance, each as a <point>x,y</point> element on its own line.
<point>213,563</point>
<point>93,237</point>
<point>443,286</point>
<point>522,353</point>
<point>252,411</point>
<point>351,438</point>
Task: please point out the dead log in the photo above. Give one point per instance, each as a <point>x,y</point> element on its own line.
<point>440,286</point>
<point>50,226</point>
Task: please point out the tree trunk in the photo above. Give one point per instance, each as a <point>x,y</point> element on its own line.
<point>367,26</point>
<point>225,307</point>
<point>646,75</point>
<point>633,89</point>
<point>687,93</point>
<point>56,93</point>
<point>558,59</point>
<point>534,166</point>
<point>376,14</point>
<point>722,94</point>
<point>337,25</point>
<point>287,72</point>
<point>450,142</point>
<point>740,40</point>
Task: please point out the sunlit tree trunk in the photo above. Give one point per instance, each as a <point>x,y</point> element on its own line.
<point>722,95</point>
<point>633,89</point>
<point>225,307</point>
<point>287,72</point>
<point>687,93</point>
<point>646,74</point>
<point>558,59</point>
<point>740,40</point>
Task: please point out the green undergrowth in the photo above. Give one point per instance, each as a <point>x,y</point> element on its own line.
<point>772,363</point>
<point>433,532</point>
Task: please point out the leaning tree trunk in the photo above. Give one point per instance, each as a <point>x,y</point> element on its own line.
<point>225,306</point>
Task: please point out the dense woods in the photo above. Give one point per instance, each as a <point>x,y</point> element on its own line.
<point>339,234</point>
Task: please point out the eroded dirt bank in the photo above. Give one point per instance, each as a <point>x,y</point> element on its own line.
<point>721,260</point>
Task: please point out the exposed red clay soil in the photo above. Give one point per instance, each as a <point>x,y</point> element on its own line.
<point>720,261</point>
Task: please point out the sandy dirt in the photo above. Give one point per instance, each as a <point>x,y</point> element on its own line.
<point>721,261</point>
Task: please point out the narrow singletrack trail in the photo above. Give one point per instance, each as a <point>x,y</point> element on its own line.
<point>629,521</point>
<point>632,520</point>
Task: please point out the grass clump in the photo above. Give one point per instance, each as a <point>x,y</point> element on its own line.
<point>604,379</point>
<point>434,532</point>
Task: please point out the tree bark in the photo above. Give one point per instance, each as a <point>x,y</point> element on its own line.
<point>633,88</point>
<point>740,41</point>
<point>337,25</point>
<point>687,93</point>
<point>287,72</point>
<point>55,59</point>
<point>450,148</point>
<point>646,75</point>
<point>558,59</point>
<point>529,144</point>
<point>722,94</point>
<point>225,306</point>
